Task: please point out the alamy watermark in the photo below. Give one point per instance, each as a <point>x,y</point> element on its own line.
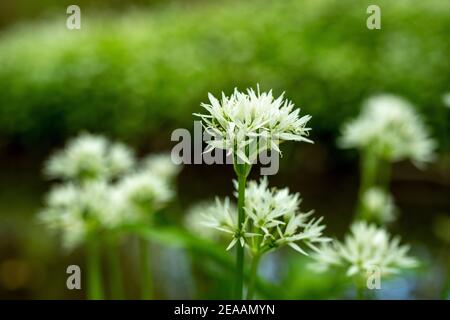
<point>373,281</point>
<point>74,279</point>
<point>373,21</point>
<point>73,21</point>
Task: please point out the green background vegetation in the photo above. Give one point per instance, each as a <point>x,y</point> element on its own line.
<point>137,70</point>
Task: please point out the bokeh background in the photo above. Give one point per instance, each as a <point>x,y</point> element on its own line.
<point>137,70</point>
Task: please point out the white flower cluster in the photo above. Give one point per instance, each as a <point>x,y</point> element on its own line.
<point>364,248</point>
<point>378,205</point>
<point>389,126</point>
<point>107,193</point>
<point>245,124</point>
<point>273,219</point>
<point>90,157</point>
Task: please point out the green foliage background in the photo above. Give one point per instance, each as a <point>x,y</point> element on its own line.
<point>141,74</point>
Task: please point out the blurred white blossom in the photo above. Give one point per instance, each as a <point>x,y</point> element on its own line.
<point>76,210</point>
<point>446,99</point>
<point>195,217</point>
<point>378,205</point>
<point>389,126</point>
<point>252,120</point>
<point>90,157</point>
<point>162,165</point>
<point>364,248</point>
<point>139,194</point>
<point>104,188</point>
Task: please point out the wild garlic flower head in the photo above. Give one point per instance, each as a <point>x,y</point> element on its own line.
<point>389,126</point>
<point>266,206</point>
<point>365,248</point>
<point>378,205</point>
<point>273,219</point>
<point>162,165</point>
<point>194,219</point>
<point>143,192</point>
<point>223,216</point>
<point>77,210</point>
<point>275,215</point>
<point>89,157</point>
<point>247,123</point>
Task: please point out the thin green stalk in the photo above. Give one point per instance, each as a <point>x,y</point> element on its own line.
<point>359,293</point>
<point>253,276</point>
<point>368,169</point>
<point>144,266</point>
<point>385,175</point>
<point>239,282</point>
<point>94,281</point>
<point>115,270</point>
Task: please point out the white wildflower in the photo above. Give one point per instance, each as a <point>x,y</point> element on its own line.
<point>267,207</point>
<point>245,124</point>
<point>140,193</point>
<point>77,210</point>
<point>446,99</point>
<point>389,126</point>
<point>195,217</point>
<point>90,157</point>
<point>273,219</point>
<point>162,165</point>
<point>223,216</point>
<point>120,160</point>
<point>364,248</point>
<point>378,205</point>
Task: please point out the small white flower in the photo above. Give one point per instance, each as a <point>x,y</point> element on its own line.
<point>90,157</point>
<point>77,210</point>
<point>364,248</point>
<point>273,219</point>
<point>223,216</point>
<point>162,165</point>
<point>389,126</point>
<point>267,207</point>
<point>120,159</point>
<point>143,192</point>
<point>194,219</point>
<point>446,99</point>
<point>245,124</point>
<point>378,205</point>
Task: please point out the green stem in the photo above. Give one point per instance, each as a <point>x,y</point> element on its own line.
<point>253,276</point>
<point>385,175</point>
<point>115,273</point>
<point>144,266</point>
<point>239,282</point>
<point>94,285</point>
<point>359,293</point>
<point>368,169</point>
<point>446,289</point>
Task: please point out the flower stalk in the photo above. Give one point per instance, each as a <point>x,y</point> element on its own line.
<point>115,272</point>
<point>242,171</point>
<point>253,276</point>
<point>94,286</point>
<point>144,268</point>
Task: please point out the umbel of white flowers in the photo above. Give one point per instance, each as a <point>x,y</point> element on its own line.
<point>102,189</point>
<point>90,157</point>
<point>365,248</point>
<point>378,206</point>
<point>245,124</point>
<point>273,219</point>
<point>389,127</point>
